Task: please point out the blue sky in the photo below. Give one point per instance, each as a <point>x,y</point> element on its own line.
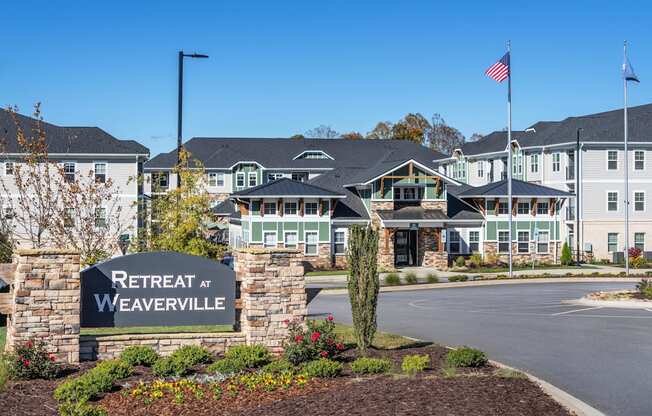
<point>278,68</point>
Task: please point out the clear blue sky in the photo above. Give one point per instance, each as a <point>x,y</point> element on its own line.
<point>278,68</point>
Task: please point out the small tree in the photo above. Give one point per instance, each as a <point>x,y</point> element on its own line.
<point>566,255</point>
<point>363,283</point>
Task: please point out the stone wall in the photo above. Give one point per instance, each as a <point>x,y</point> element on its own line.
<point>321,261</point>
<point>442,205</point>
<point>46,299</point>
<point>491,248</point>
<point>386,248</point>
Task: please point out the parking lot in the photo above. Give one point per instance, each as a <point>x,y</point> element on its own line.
<point>602,356</point>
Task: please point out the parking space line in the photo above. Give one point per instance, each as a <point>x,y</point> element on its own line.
<point>576,310</point>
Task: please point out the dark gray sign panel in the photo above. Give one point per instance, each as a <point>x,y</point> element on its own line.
<point>157,289</point>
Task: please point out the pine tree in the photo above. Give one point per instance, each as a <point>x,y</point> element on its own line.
<point>566,255</point>
<point>363,283</point>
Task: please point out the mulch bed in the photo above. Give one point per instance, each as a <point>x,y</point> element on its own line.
<point>470,392</point>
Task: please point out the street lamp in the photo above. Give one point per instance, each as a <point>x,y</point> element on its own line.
<point>180,116</point>
<point>577,196</point>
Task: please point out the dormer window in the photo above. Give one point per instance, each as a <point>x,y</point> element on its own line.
<point>313,154</point>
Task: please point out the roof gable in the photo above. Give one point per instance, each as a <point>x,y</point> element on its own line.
<point>285,187</point>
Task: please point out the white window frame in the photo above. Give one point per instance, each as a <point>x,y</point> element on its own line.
<point>255,179</point>
<point>534,163</point>
<point>643,201</point>
<point>556,161</point>
<point>643,242</point>
<point>616,242</point>
<point>642,161</point>
<point>474,240</point>
<point>608,202</point>
<point>480,168</point>
<point>238,177</point>
<point>296,208</point>
<point>273,176</point>
<point>609,153</point>
<point>296,239</point>
<point>344,243</point>
<point>101,216</point>
<point>274,204</point>
<point>519,242</point>
<point>69,214</point>
<point>7,169</point>
<point>305,208</point>
<point>506,241</point>
<point>506,205</point>
<point>74,170</point>
<point>106,170</point>
<point>266,233</point>
<point>547,242</point>
<point>305,243</point>
<point>546,211</point>
<point>518,208</point>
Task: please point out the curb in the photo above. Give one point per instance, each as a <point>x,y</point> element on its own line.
<point>427,286</point>
<point>617,304</point>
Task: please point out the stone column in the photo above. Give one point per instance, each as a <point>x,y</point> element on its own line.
<point>272,291</point>
<point>46,295</point>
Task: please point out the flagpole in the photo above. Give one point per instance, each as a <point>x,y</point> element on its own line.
<point>509,154</point>
<point>626,166</point>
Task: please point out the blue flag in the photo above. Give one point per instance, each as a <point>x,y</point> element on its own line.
<point>628,71</point>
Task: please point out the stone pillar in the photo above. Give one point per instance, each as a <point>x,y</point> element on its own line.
<point>46,296</point>
<point>272,291</point>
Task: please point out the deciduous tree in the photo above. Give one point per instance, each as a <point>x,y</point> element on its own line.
<point>322,132</point>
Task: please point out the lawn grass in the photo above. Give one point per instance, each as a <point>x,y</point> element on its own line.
<point>155,329</point>
<point>536,267</point>
<point>328,273</point>
<point>382,340</point>
<point>3,337</point>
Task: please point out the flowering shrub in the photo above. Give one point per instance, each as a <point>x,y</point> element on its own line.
<point>31,360</point>
<point>317,340</point>
<point>634,252</point>
<point>636,259</point>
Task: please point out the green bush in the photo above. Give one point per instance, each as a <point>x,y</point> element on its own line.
<point>279,366</point>
<point>31,361</point>
<point>392,279</point>
<point>458,278</point>
<point>226,366</point>
<point>432,278</point>
<point>566,255</point>
<point>80,409</point>
<point>411,278</point>
<point>460,262</point>
<point>192,355</point>
<point>323,368</point>
<point>370,366</point>
<point>4,370</point>
<point>413,364</point>
<point>475,260</point>
<point>644,288</point>
<point>90,384</point>
<point>316,339</point>
<point>168,366</point>
<point>466,357</point>
<point>252,356</point>
<point>116,369</point>
<point>139,355</point>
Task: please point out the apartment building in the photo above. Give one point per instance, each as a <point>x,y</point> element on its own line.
<point>582,155</point>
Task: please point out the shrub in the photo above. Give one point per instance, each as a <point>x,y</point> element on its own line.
<point>323,368</point>
<point>644,288</point>
<point>251,356</point>
<point>411,278</point>
<point>139,355</point>
<point>491,260</point>
<point>474,261</point>
<point>566,255</point>
<point>279,366</point>
<point>432,278</point>
<point>392,279</point>
<point>637,262</point>
<point>460,262</point>
<point>31,361</point>
<point>317,340</point>
<point>458,278</point>
<point>370,366</point>
<point>192,355</point>
<point>4,370</point>
<point>226,366</point>
<point>413,364</point>
<point>80,409</point>
<point>466,357</point>
<point>90,384</point>
<point>634,252</point>
<point>168,366</point>
<point>116,369</point>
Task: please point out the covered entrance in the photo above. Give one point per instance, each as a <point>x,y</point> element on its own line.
<point>406,248</point>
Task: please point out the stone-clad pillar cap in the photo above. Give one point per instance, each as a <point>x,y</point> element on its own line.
<point>45,251</point>
<point>258,250</point>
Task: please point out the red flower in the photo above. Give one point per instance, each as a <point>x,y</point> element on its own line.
<point>29,344</point>
<point>330,317</point>
<point>26,363</point>
<point>286,322</point>
<point>298,338</point>
<point>315,336</point>
<point>52,358</point>
<point>324,354</point>
<point>339,346</point>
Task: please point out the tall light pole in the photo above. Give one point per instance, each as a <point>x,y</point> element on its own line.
<point>577,196</point>
<point>180,106</point>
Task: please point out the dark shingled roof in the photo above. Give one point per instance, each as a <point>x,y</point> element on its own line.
<point>519,189</point>
<point>349,208</point>
<point>92,140</point>
<point>224,208</point>
<point>413,213</point>
<point>457,209</point>
<point>287,187</point>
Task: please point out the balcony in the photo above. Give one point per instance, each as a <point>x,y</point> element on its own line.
<point>570,214</point>
<point>570,173</point>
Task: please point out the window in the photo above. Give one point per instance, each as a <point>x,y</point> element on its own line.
<point>612,160</point>
<point>290,208</point>
<point>311,243</point>
<point>503,208</point>
<point>160,180</point>
<point>480,168</point>
<point>542,208</point>
<point>474,241</point>
<point>454,242</point>
<point>639,201</point>
<point>100,172</point>
<point>503,241</point>
<point>313,154</point>
<point>523,208</point>
<point>252,179</point>
<point>534,163</point>
<point>274,176</point>
<point>9,168</point>
<point>215,179</point>
<point>639,160</point>
<point>556,162</point>
<point>69,217</point>
<point>310,208</point>
<point>240,180</point>
<point>339,242</point>
<point>612,201</point>
<point>291,240</point>
<point>542,242</point>
<point>269,239</point>
<point>408,194</point>
<point>300,176</point>
<point>523,241</point>
<point>269,208</point>
<point>69,171</point>
<point>100,217</point>
<point>612,242</point>
<point>639,241</point>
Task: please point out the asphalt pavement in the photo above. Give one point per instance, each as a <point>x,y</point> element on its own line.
<point>602,356</point>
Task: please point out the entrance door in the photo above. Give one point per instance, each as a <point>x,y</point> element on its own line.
<point>405,247</point>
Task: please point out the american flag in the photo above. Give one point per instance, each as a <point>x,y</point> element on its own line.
<point>500,70</point>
